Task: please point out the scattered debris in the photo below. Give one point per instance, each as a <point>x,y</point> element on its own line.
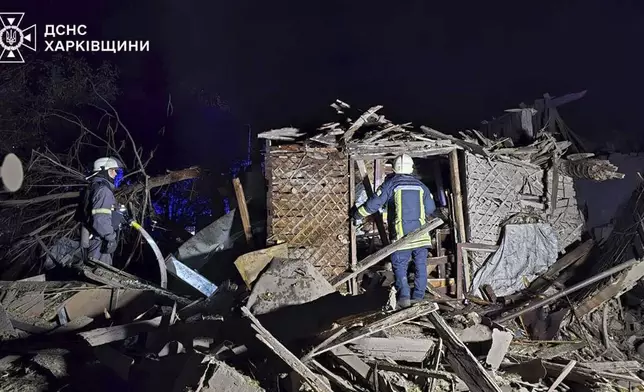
<point>519,298</point>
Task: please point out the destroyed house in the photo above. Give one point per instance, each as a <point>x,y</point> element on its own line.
<point>479,183</point>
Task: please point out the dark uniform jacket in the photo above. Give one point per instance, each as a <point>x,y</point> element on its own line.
<point>102,202</point>
<point>409,203</point>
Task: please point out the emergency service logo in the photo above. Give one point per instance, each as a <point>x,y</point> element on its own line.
<point>13,37</point>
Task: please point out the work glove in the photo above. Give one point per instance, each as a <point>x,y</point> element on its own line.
<point>356,219</point>
<point>110,247</point>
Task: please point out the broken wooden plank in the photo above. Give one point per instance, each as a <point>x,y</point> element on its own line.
<point>554,189</point>
<point>243,210</point>
<point>613,366</point>
<point>334,378</point>
<point>624,282</point>
<point>463,362</point>
<point>278,348</point>
<point>577,255</point>
<point>578,374</point>
<point>380,224</point>
<point>326,341</point>
<point>435,364</point>
<point>473,147</point>
<point>381,324</point>
<point>100,336</point>
<point>380,255</point>
<point>562,376</point>
<point>362,120</point>
<point>354,364</point>
<point>287,133</point>
<point>413,371</point>
<point>396,348</point>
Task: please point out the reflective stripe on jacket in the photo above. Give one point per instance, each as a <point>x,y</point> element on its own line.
<point>409,203</point>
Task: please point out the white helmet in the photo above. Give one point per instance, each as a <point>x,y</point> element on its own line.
<point>404,164</point>
<point>107,163</point>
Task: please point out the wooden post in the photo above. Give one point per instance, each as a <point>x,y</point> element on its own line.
<point>377,173</point>
<point>278,348</point>
<point>353,283</point>
<point>458,209</point>
<point>388,321</point>
<point>243,210</point>
<point>463,362</point>
<point>362,168</point>
<point>555,184</point>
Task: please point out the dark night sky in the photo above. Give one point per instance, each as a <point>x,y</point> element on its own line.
<point>445,64</point>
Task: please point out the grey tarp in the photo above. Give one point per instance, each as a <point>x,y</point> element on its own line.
<point>287,282</point>
<point>526,251</point>
<point>215,237</point>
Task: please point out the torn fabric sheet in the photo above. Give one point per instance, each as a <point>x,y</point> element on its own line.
<point>526,251</point>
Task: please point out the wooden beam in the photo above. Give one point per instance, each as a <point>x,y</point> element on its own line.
<point>562,376</point>
<point>278,348</point>
<point>353,283</point>
<point>555,184</point>
<point>362,120</point>
<point>243,210</point>
<point>351,361</point>
<point>381,324</point>
<point>455,178</point>
<point>414,371</point>
<point>397,348</point>
<point>325,342</point>
<point>380,224</point>
<point>463,362</point>
<point>100,336</point>
<point>375,258</point>
<point>618,285</point>
<point>580,253</point>
<point>333,378</point>
<point>459,142</point>
<point>22,285</point>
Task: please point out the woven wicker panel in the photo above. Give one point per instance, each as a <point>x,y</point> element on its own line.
<point>309,204</point>
<point>567,219</point>
<point>493,196</point>
<point>493,190</point>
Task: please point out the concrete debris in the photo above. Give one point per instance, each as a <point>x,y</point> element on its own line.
<point>287,282</point>
<point>520,297</point>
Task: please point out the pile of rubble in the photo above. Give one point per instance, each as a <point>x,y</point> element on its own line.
<point>275,322</point>
<point>292,328</point>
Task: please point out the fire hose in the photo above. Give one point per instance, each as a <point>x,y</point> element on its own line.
<point>129,221</point>
<point>163,273</point>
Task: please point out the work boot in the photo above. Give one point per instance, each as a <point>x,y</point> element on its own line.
<point>403,303</point>
<point>415,301</point>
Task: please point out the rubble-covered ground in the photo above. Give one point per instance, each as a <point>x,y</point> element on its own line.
<point>570,322</point>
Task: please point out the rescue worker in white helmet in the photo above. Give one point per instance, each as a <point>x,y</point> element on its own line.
<point>409,204</point>
<point>99,226</point>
